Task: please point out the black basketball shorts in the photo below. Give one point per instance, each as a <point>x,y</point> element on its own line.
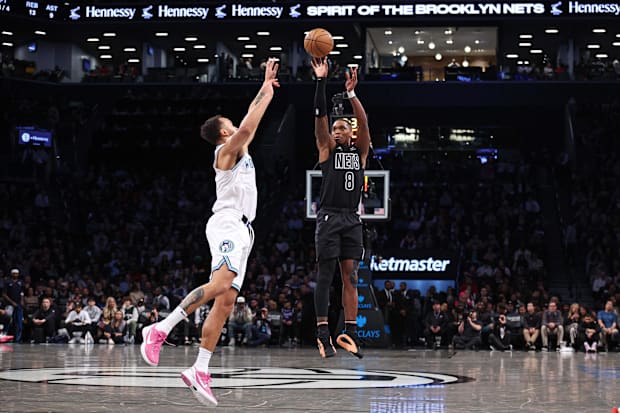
<point>338,235</point>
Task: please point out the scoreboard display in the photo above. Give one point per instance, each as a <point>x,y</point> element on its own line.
<point>51,10</point>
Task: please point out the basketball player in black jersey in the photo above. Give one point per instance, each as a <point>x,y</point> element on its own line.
<point>338,235</point>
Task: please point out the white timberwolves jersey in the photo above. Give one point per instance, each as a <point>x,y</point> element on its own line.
<point>236,188</point>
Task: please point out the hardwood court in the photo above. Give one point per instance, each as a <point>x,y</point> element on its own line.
<point>102,378</point>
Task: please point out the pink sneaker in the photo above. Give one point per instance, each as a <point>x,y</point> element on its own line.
<point>199,383</point>
<point>152,340</point>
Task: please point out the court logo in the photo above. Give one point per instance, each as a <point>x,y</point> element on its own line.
<point>294,13</point>
<point>555,8</point>
<point>25,137</point>
<point>219,12</point>
<point>226,246</point>
<point>275,378</point>
<point>74,13</point>
<point>146,13</point>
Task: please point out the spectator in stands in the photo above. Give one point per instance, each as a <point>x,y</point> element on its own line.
<point>589,333</point>
<point>552,324</point>
<point>130,316</point>
<point>287,332</point>
<point>94,312</point>
<point>468,336</point>
<point>160,300</point>
<point>44,322</point>
<point>435,327</point>
<point>260,329</point>
<point>240,321</point>
<point>77,324</point>
<point>114,332</point>
<point>499,338</point>
<point>608,324</point>
<point>571,323</point>
<point>531,327</point>
<point>107,314</point>
<point>14,295</point>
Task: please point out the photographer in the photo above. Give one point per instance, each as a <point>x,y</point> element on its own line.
<point>468,332</point>
<point>499,339</point>
<point>261,329</point>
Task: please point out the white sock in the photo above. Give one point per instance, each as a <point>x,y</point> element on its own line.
<point>174,318</point>
<point>202,361</point>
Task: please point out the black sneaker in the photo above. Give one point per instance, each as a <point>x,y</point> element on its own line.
<point>324,343</point>
<point>350,343</point>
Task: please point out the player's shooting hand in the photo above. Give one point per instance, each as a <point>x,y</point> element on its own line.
<point>320,67</point>
<point>271,71</point>
<point>351,82</point>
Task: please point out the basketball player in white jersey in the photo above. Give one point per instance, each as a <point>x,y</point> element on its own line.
<point>229,234</point>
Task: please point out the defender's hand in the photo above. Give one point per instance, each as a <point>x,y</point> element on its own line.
<point>271,71</point>
<point>320,67</point>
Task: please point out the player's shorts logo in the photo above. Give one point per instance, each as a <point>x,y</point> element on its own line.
<point>226,246</point>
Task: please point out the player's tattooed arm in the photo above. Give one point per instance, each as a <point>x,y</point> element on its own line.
<point>195,297</point>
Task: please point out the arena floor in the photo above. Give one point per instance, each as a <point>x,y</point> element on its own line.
<point>101,378</point>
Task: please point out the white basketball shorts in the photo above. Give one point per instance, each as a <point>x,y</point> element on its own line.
<point>230,241</point>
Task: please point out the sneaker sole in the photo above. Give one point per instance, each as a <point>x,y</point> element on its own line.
<point>202,399</point>
<point>143,350</point>
<point>346,343</point>
<point>322,350</point>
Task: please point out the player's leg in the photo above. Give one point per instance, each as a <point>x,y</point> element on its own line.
<point>348,340</point>
<point>327,249</point>
<point>352,252</point>
<point>197,377</point>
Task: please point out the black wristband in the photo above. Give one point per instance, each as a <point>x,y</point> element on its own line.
<point>320,102</point>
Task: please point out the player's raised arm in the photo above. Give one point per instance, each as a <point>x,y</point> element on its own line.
<point>244,135</point>
<point>363,133</point>
<point>324,142</point>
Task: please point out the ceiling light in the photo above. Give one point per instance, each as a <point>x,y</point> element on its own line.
<point>617,44</point>
<point>467,49</point>
<point>133,60</point>
<point>250,46</point>
<point>161,34</point>
<point>477,41</point>
<point>420,41</point>
<point>465,63</point>
<point>602,56</point>
<point>243,38</point>
<point>390,42</point>
<point>191,39</point>
<point>431,45</point>
<point>525,44</point>
<point>103,47</point>
<point>275,48</point>
<point>449,41</point>
<point>129,49</point>
<point>594,46</point>
<point>599,30</point>
<point>618,35</point>
<point>358,57</point>
<point>512,56</point>
<point>200,46</point>
<point>7,44</point>
<point>404,58</point>
<point>338,37</point>
<point>92,39</point>
<point>417,32</point>
<point>536,51</point>
<point>203,60</point>
<point>526,36</point>
<point>447,31</point>
<point>401,49</point>
<point>109,34</point>
<point>387,32</point>
<point>40,32</point>
<point>520,62</point>
<point>179,49</point>
<point>246,55</point>
<point>105,56</point>
<point>342,45</point>
<point>438,57</point>
<point>527,62</point>
<point>394,53</point>
<point>335,52</point>
<point>4,32</point>
<point>263,33</point>
<point>552,31</point>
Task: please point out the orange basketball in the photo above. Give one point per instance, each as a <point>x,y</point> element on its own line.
<point>318,42</point>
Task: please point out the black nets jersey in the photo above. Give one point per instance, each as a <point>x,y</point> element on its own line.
<point>343,179</point>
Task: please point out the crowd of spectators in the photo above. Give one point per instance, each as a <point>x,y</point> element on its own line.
<point>129,240</point>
